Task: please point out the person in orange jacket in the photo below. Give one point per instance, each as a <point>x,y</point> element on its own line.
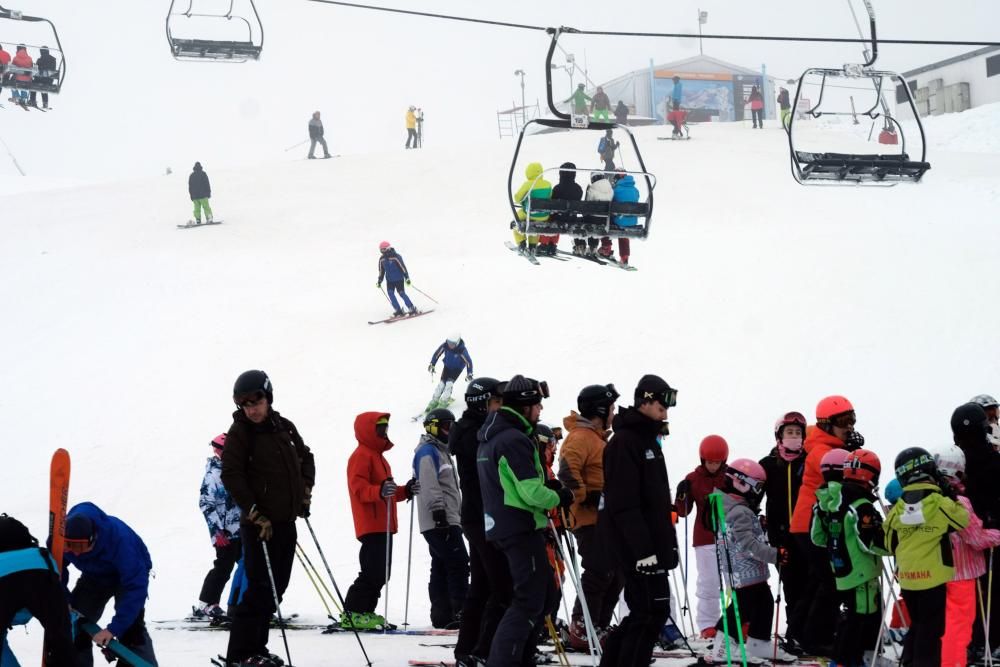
<point>374,495</point>
<point>24,61</point>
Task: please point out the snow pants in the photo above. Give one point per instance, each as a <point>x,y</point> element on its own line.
<point>786,115</point>
<point>960,614</point>
<point>794,575</point>
<point>815,616</point>
<point>312,147</point>
<point>631,643</point>
<point>602,114</point>
<point>215,581</point>
<point>364,593</point>
<point>41,593</point>
<point>707,586</point>
<point>756,609</point>
<point>758,117</point>
<point>490,590</point>
<point>90,597</point>
<point>397,286</point>
<point>601,581</point>
<point>199,205</point>
<point>922,645</point>
<point>858,626</point>
<point>449,580</point>
<point>411,135</point>
<point>624,247</point>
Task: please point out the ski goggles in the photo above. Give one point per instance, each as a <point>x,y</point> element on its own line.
<point>538,390</point>
<point>667,398</point>
<point>78,545</point>
<point>756,486</point>
<point>844,419</point>
<point>250,400</point>
<point>381,426</point>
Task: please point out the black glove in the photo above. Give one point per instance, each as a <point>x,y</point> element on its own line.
<point>440,518</point>
<point>565,497</point>
<point>683,490</point>
<point>412,488</point>
<point>854,441</point>
<point>647,565</point>
<point>553,484</point>
<point>593,499</point>
<point>388,488</point>
<point>782,557</point>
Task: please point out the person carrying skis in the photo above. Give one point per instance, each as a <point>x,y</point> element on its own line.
<point>579,99</point>
<point>581,469</point>
<point>392,268</point>
<point>411,127</point>
<point>201,191</point>
<point>439,514</point>
<point>756,102</point>
<point>600,105</point>
<point>516,497</point>
<point>269,472</point>
<point>534,187</point>
<point>636,522</point>
<point>46,75</point>
<point>456,358</point>
<point>566,189</point>
<point>223,519</point>
<point>30,587</point>
<point>113,563</point>
<point>917,531</point>
<point>316,137</point>
<point>374,495</point>
<point>692,493</point>
<point>785,105</point>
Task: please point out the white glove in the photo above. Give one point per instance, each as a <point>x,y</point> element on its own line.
<point>646,565</point>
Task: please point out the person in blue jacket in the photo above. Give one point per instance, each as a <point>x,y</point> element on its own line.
<point>456,359</point>
<point>392,268</point>
<point>625,191</point>
<point>677,94</point>
<point>113,563</point>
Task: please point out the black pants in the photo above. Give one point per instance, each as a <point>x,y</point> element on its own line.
<point>364,593</point>
<point>252,616</point>
<point>794,577</point>
<point>215,581</point>
<point>41,593</point>
<point>90,598</point>
<point>858,626</point>
<point>756,608</point>
<point>815,616</point>
<point>449,580</point>
<point>631,643</point>
<point>758,117</point>
<point>534,588</point>
<point>411,135</point>
<point>601,581</point>
<point>922,645</point>
<point>490,590</point>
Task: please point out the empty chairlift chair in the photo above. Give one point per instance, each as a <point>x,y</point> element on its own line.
<point>37,78</point>
<point>199,34</point>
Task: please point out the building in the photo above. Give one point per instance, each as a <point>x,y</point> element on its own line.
<point>956,84</point>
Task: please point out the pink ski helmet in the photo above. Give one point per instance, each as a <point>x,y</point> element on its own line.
<point>384,245</point>
<point>219,441</point>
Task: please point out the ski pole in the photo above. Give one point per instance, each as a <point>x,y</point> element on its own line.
<point>424,293</point>
<point>588,621</point>
<point>556,642</point>
<point>382,289</point>
<point>329,612</point>
<point>388,554</point>
<point>987,654</point>
<point>989,606</point>
<point>319,579</point>
<point>336,588</point>
<point>304,141</point>
<point>777,616</point>
<point>409,560</point>
<point>277,603</point>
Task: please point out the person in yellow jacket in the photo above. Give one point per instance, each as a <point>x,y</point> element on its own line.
<point>411,127</point>
<point>537,188</point>
<point>581,469</point>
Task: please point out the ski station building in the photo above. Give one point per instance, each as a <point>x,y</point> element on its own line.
<point>956,84</point>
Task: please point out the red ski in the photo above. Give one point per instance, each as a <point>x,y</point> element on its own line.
<point>58,501</point>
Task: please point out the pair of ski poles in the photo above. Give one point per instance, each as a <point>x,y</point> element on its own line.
<point>382,289</point>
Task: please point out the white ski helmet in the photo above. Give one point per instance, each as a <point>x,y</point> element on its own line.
<point>950,461</point>
<point>454,339</point>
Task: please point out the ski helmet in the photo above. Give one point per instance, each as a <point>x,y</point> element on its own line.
<point>250,383</point>
<point>219,442</point>
<point>950,461</point>
<point>79,531</point>
<point>831,466</point>
<point>454,339</point>
<point>747,472</point>
<point>596,400</point>
<point>969,424</point>
<point>915,464</point>
<point>789,419</point>
<point>383,246</point>
<point>835,409</point>
<point>985,400</point>
<point>438,422</point>
<point>893,491</point>
<point>713,448</point>
<point>862,466</point>
<point>479,392</point>
<point>544,433</point>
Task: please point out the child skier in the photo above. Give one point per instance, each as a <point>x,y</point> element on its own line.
<point>916,531</point>
<point>745,554</point>
<point>223,518</point>
<point>456,359</point>
<point>393,269</point>
<point>534,187</point>
<point>693,492</point>
<point>847,524</point>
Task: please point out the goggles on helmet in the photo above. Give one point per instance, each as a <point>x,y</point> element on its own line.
<point>78,544</point>
<point>844,419</point>
<point>540,390</point>
<point>756,486</point>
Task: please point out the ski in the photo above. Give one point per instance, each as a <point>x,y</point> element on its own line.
<point>674,138</point>
<point>430,632</point>
<point>192,223</point>
<point>114,647</point>
<point>390,320</point>
<point>59,470</point>
<point>589,258</point>
<point>610,261</point>
<point>527,255</point>
<point>324,157</point>
<point>423,414</point>
<point>431,663</point>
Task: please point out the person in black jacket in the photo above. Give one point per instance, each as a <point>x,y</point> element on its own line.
<point>636,521</point>
<point>621,113</point>
<point>46,64</point>
<point>201,191</point>
<point>316,136</point>
<point>269,472</point>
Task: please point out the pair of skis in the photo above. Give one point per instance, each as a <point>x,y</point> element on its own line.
<point>600,259</point>
<point>400,318</point>
<point>26,106</point>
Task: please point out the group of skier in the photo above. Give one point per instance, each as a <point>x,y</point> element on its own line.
<point>21,70</point>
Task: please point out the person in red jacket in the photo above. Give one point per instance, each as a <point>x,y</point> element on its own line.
<point>814,619</point>
<point>23,61</point>
<point>693,492</point>
<point>4,61</point>
<point>374,495</point>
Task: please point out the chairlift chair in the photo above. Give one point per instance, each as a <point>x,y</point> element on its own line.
<point>217,50</point>
<point>41,80</point>
<point>810,167</point>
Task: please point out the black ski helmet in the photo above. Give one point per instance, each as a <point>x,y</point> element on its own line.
<point>250,382</point>
<point>915,464</point>
<point>438,422</point>
<point>479,392</point>
<point>596,400</point>
<point>969,424</point>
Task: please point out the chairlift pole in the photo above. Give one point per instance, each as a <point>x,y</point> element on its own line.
<point>524,113</point>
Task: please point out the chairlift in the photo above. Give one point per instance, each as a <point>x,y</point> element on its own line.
<point>812,167</point>
<point>579,218</point>
<point>34,79</point>
<point>219,50</point>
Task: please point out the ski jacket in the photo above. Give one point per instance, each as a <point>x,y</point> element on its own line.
<point>455,359</point>
<point>4,59</point>
<point>917,531</point>
<point>463,441</point>
<point>625,190</point>
<point>847,524</point>
<point>581,467</point>
<point>46,63</point>
<point>411,120</point>
<point>579,99</point>
<point>391,267</point>
<point>784,478</point>
<point>220,510</point>
<point>818,443</point>
<point>606,148</point>
<point>601,101</point>
<point>511,476</point>
<point>702,483</point>
<point>783,101</point>
<point>749,553</point>
<point>366,470</point>
<point>566,189</point>
<point>119,561</point>
<point>756,100</point>
<point>535,187</point>
<point>635,519</point>
<point>677,93</point>
<point>982,469</point>
<point>600,190</point>
<point>267,467</point>
<point>23,60</point>
<point>433,466</point>
<point>968,545</point>
<point>198,185</point>
<point>315,128</point>
<point>621,113</point>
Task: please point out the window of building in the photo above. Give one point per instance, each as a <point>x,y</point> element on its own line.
<point>993,65</point>
<point>901,94</point>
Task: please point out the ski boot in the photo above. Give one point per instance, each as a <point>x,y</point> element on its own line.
<point>396,313</point>
<point>413,310</point>
<point>766,651</point>
<point>578,636</point>
<point>353,620</point>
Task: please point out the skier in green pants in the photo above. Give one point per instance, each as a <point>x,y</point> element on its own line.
<point>201,191</point>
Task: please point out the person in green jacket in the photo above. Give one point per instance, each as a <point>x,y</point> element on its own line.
<point>917,532</point>
<point>534,187</point>
<point>579,99</point>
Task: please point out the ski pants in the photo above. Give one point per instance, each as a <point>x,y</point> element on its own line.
<point>442,392</point>
<point>960,614</point>
<point>756,605</point>
<point>859,622</point>
<point>397,286</point>
<point>624,247</point>
<point>758,117</point>
<point>199,205</point>
<point>411,135</point>
<point>252,616</point>
<point>707,586</point>
<point>490,590</point>
<point>631,643</point>
<point>601,581</point>
<point>312,147</point>
<point>449,580</point>
<point>815,616</point>
<point>215,581</point>
<point>364,593</point>
<point>90,597</point>
<point>534,592</point>
<point>786,115</point>
<point>794,575</point>
<point>602,114</point>
<point>41,593</point>
<point>922,645</point>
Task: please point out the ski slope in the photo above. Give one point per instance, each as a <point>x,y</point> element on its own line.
<point>122,335</point>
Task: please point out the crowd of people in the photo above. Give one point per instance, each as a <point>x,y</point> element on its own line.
<point>21,70</point>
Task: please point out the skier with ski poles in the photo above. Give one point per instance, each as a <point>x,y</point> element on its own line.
<point>392,268</point>
<point>456,358</point>
<point>316,136</point>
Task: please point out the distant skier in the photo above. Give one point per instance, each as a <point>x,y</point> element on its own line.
<point>756,102</point>
<point>23,61</point>
<point>600,105</point>
<point>223,518</point>
<point>316,137</point>
<point>46,75</point>
<point>456,359</point>
<point>411,127</point>
<point>392,268</point>
<point>606,148</point>
<point>677,93</point>
<point>4,61</point>
<point>678,119</point>
<point>579,99</point>
<point>201,191</point>
<point>621,113</point>
<point>786,106</point>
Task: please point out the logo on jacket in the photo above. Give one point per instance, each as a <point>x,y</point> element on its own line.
<point>650,455</point>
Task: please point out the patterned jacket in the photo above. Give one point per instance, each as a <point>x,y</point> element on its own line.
<point>749,552</point>
<point>220,510</point>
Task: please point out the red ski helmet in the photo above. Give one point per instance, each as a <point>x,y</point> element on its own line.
<point>789,419</point>
<point>748,472</point>
<point>219,441</point>
<point>713,448</point>
<point>832,464</point>
<point>832,406</point>
<point>384,245</point>
<point>862,466</point>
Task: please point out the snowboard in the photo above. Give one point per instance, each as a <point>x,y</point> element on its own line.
<point>192,223</point>
<point>114,647</point>
<point>390,320</point>
<point>527,255</point>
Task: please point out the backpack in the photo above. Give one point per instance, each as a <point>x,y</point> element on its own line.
<point>14,535</point>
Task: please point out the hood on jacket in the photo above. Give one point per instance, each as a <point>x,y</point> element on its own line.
<point>533,170</point>
<point>631,418</point>
<point>567,177</point>
<point>364,431</point>
<point>626,181</point>
<point>921,502</point>
<point>43,51</point>
<point>574,420</point>
<point>829,496</point>
<point>428,439</point>
<point>197,166</point>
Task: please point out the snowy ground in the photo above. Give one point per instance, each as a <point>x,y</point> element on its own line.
<point>122,335</point>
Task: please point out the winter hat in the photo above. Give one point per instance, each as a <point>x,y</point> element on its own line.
<point>522,392</point>
<point>79,528</point>
<point>654,388</point>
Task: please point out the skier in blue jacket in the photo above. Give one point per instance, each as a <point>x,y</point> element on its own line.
<point>113,563</point>
<point>392,268</point>
<point>456,358</point>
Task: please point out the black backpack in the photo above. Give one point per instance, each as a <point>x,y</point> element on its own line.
<point>14,535</point>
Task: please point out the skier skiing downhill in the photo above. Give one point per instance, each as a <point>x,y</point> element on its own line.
<point>456,359</point>
<point>392,268</point>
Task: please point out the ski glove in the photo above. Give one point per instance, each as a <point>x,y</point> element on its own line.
<point>378,285</point>
<point>266,529</point>
<point>565,497</point>
<point>683,490</point>
<point>388,488</point>
<point>782,557</point>
<point>440,518</point>
<point>553,484</point>
<point>413,488</point>
<point>646,565</point>
<point>430,369</point>
<point>220,539</point>
<point>306,502</point>
<point>468,377</point>
<point>854,441</point>
<point>407,281</point>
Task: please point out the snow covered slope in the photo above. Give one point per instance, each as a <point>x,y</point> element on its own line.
<point>121,335</point>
